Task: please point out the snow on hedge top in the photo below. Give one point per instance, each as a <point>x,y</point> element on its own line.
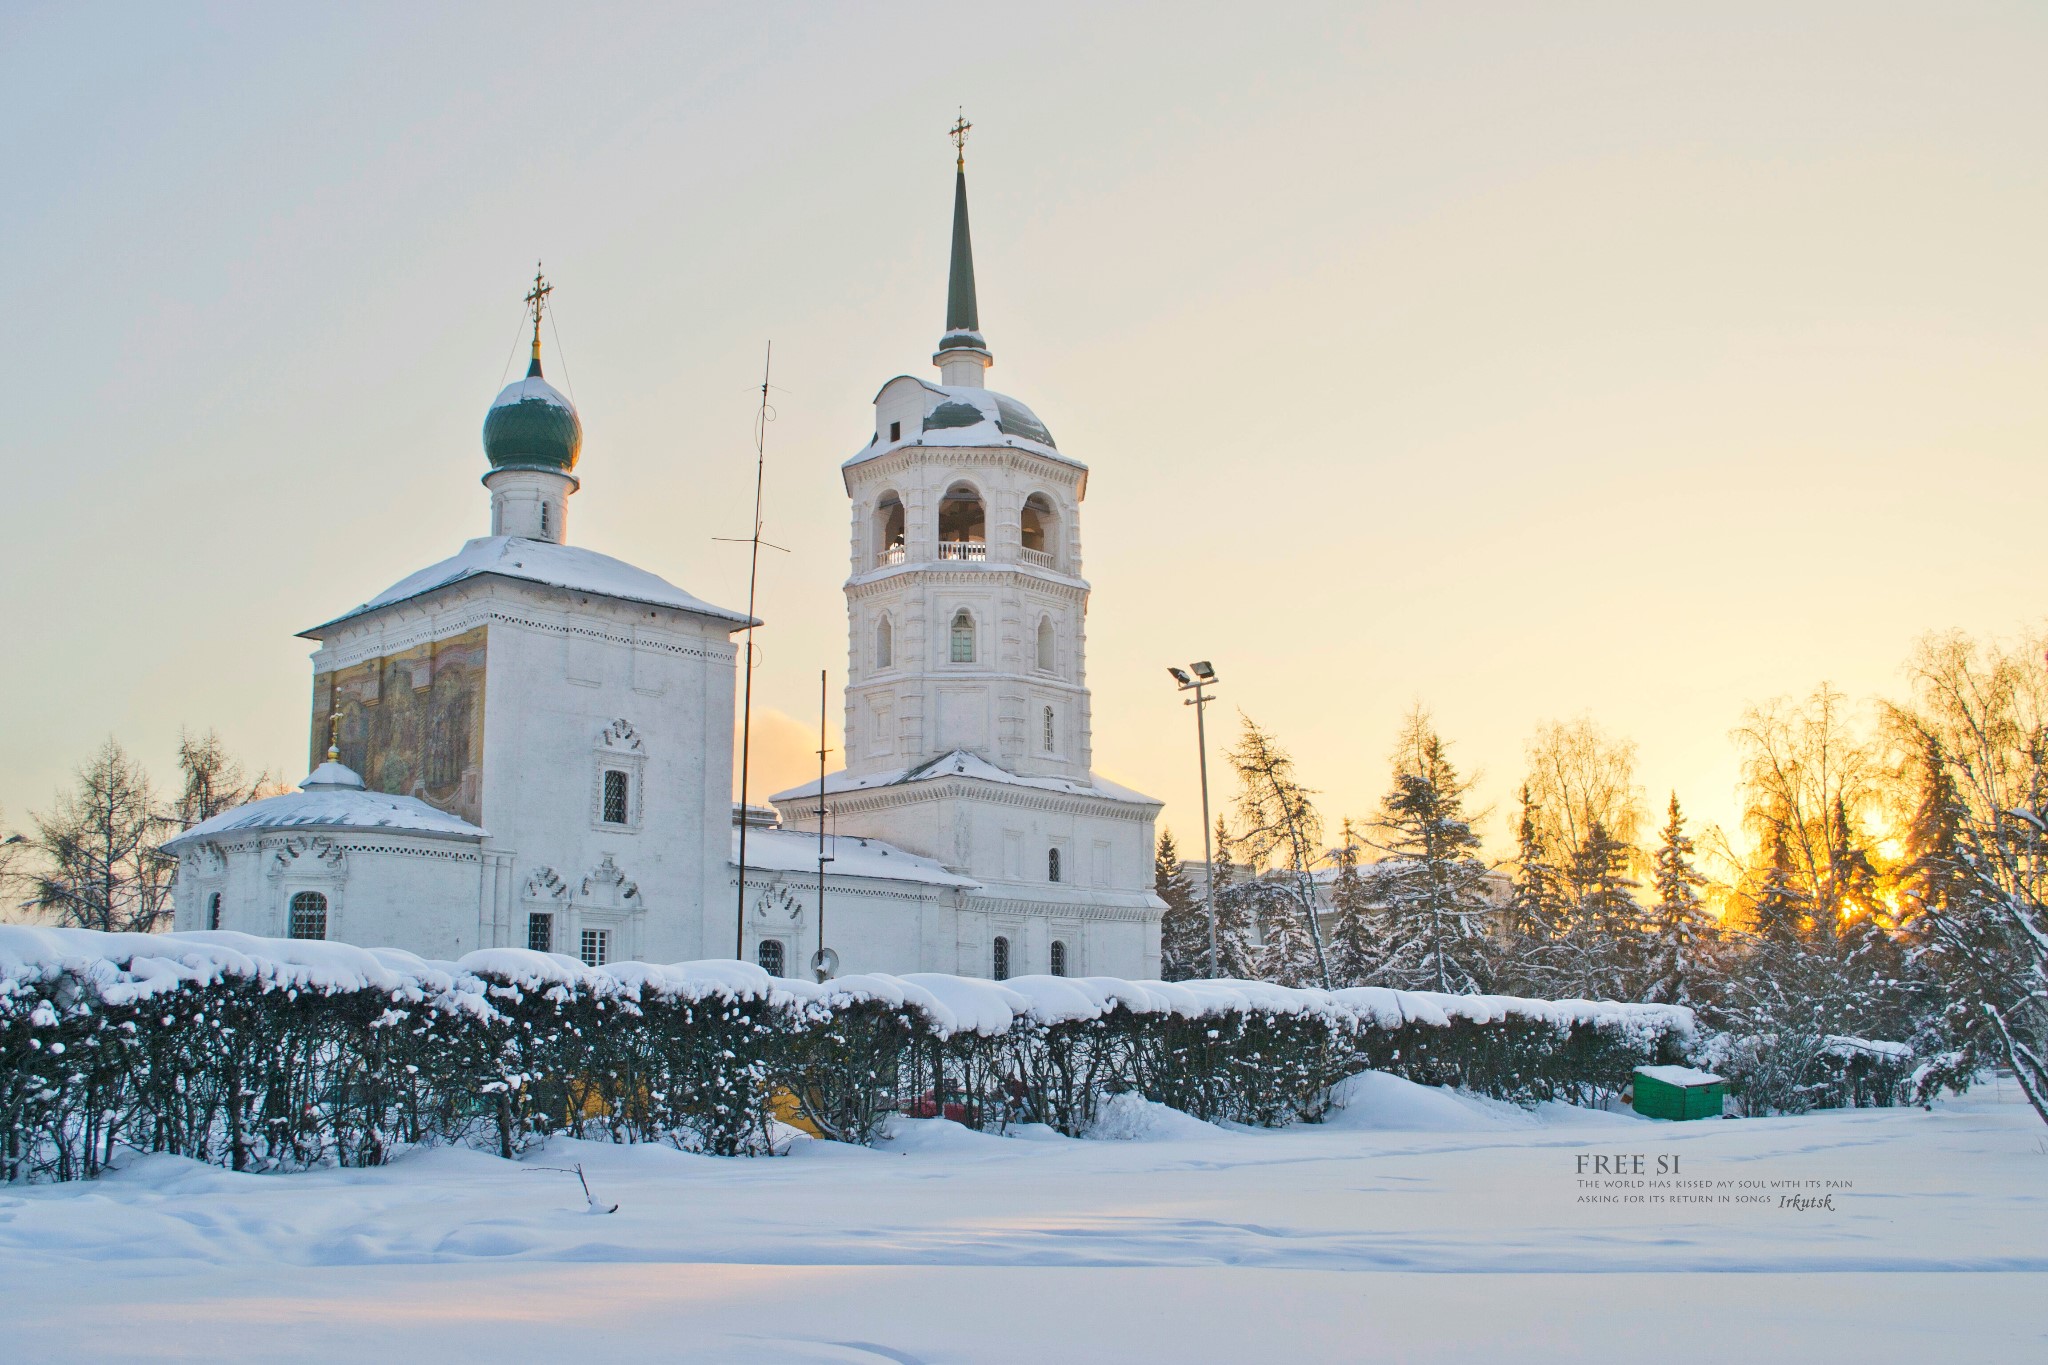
<point>123,968</point>
<point>538,561</point>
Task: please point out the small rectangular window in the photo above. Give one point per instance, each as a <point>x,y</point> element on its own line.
<point>540,933</point>
<point>597,947</point>
<point>895,431</point>
<point>615,789</point>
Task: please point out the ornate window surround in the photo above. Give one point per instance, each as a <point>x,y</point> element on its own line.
<point>619,749</point>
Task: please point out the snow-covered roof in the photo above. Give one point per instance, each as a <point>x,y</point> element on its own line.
<point>1681,1076</point>
<point>332,798</point>
<point>961,763</point>
<point>539,561</point>
<point>964,415</point>
<point>792,850</point>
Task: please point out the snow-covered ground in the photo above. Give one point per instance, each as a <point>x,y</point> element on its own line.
<point>1417,1225</point>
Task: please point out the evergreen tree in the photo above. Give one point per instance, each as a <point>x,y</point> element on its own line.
<point>1430,922</point>
<point>1184,928</point>
<point>1681,931</point>
<point>1354,953</point>
<point>1531,957</point>
<point>1236,897</point>
<point>1605,932</point>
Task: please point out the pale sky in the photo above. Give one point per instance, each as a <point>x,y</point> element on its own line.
<point>1635,360</point>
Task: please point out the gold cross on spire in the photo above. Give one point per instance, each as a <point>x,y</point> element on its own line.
<point>537,300</point>
<point>334,736</point>
<point>959,135</point>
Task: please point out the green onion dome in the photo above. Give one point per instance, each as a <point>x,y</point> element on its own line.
<point>532,426</point>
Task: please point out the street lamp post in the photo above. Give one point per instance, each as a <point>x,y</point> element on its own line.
<point>1203,676</point>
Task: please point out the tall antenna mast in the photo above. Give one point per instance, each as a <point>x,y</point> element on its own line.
<point>761,421</point>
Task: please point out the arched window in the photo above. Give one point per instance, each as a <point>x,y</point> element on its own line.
<point>1037,530</point>
<point>999,959</point>
<point>213,911</point>
<point>889,530</point>
<point>963,525</point>
<point>1046,644</point>
<point>769,954</point>
<point>1052,864</point>
<point>1050,736</point>
<point>963,636</point>
<point>1059,958</point>
<point>885,644</point>
<point>309,915</point>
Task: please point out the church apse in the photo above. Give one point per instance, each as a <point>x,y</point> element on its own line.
<point>412,723</point>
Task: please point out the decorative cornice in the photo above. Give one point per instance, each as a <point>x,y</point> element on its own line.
<point>957,788</point>
<point>873,582</point>
<point>395,633</point>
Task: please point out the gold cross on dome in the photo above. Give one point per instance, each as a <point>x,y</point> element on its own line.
<point>537,299</point>
<point>959,135</point>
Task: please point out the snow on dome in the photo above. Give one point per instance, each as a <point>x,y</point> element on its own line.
<point>530,425</point>
<point>539,561</point>
<point>332,774</point>
<point>960,415</point>
<point>324,803</point>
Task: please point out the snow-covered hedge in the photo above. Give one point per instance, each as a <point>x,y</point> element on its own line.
<point>267,1053</point>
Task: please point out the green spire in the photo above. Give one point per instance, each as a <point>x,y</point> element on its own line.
<point>963,355</point>
<point>961,314</point>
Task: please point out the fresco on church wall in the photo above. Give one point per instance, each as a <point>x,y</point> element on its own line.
<point>412,723</point>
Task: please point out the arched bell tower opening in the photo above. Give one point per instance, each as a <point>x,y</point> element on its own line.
<point>889,528</point>
<point>963,524</point>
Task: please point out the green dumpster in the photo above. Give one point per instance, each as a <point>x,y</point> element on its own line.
<point>1678,1092</point>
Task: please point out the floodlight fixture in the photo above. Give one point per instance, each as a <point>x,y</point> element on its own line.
<point>1180,675</point>
<point>1204,670</point>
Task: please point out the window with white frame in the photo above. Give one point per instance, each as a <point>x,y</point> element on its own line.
<point>1050,734</point>
<point>596,947</point>
<point>885,644</point>
<point>963,636</point>
<point>771,955</point>
<point>1052,864</point>
<point>540,932</point>
<point>213,911</point>
<point>1047,643</point>
<point>1059,958</point>
<point>618,791</point>
<point>999,959</point>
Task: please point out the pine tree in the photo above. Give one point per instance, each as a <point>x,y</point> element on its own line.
<point>1531,957</point>
<point>1605,931</point>
<point>1430,923</point>
<point>1678,964</point>
<point>1236,940</point>
<point>1184,928</point>
<point>1354,952</point>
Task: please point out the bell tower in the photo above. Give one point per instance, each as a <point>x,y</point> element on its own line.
<point>965,604</point>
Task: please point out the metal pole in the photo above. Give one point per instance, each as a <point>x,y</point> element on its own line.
<point>820,971</point>
<point>739,949</point>
<point>1208,857</point>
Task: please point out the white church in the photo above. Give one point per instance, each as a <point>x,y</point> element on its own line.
<point>529,744</point>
